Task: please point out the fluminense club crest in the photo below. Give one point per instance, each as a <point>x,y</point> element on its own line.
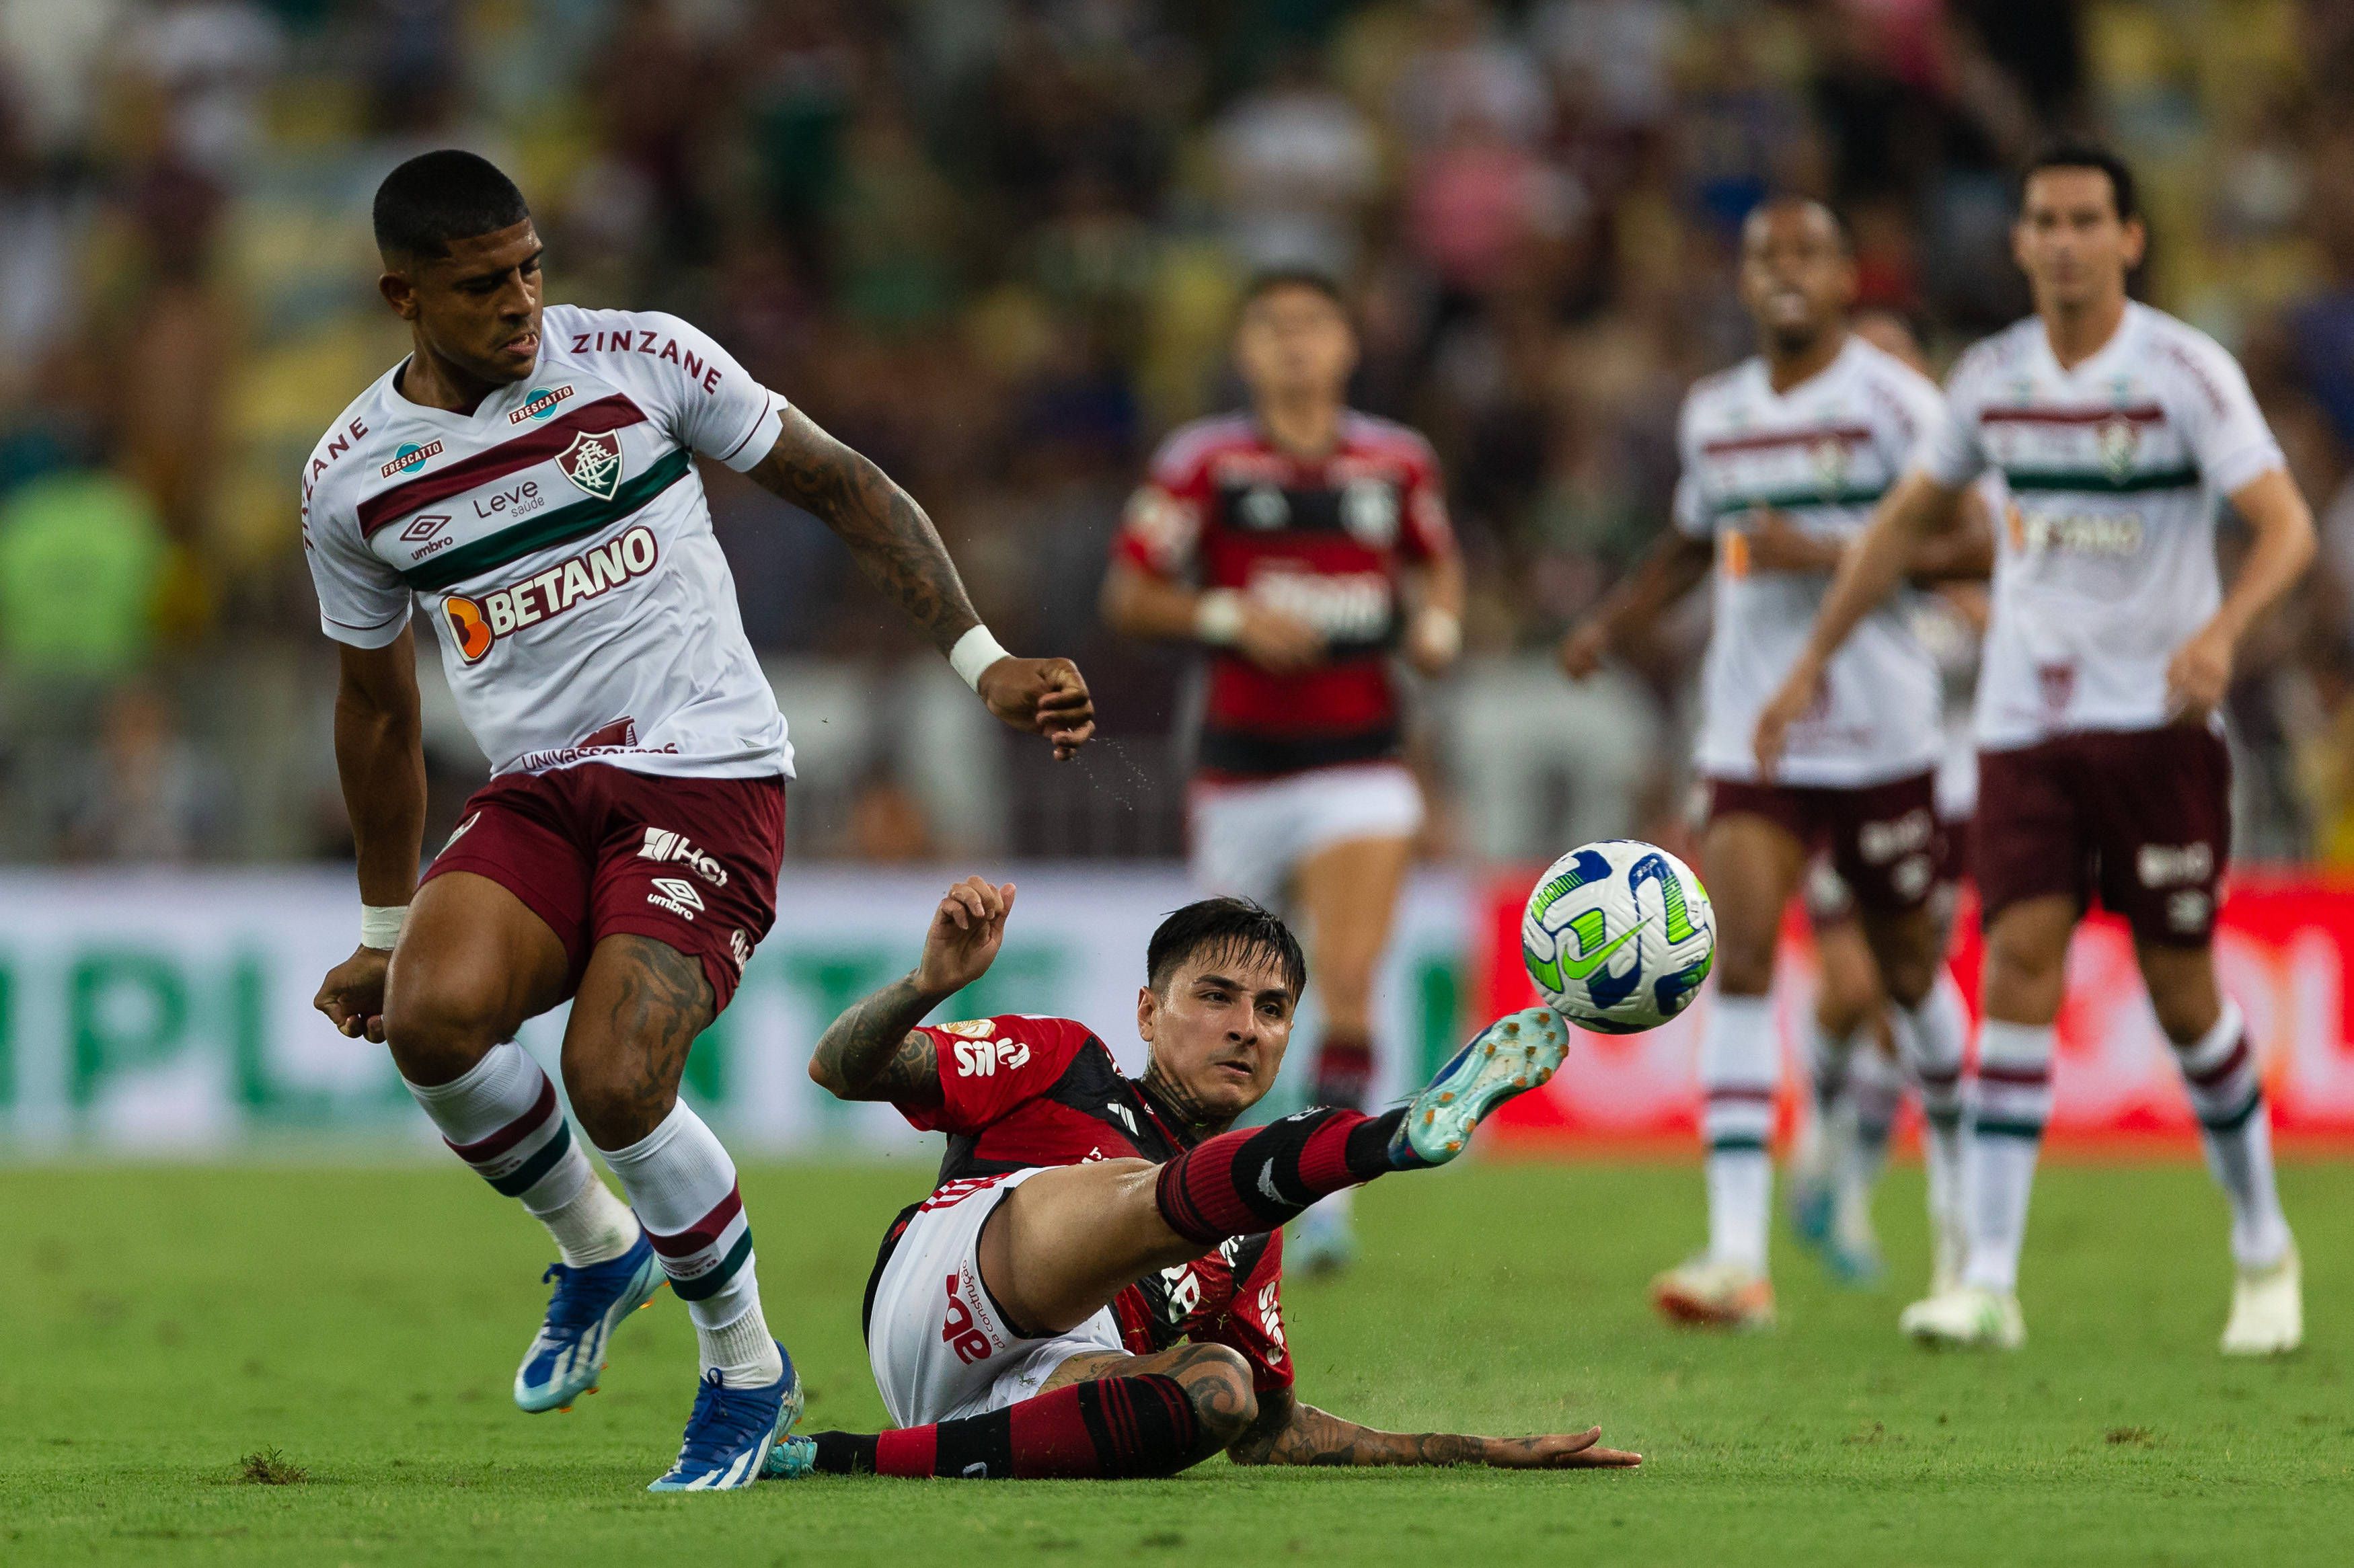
<point>2118,440</point>
<point>593,461</point>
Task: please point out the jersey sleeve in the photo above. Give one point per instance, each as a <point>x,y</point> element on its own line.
<point>989,1065</point>
<point>1161,530</point>
<point>1692,511</point>
<point>2221,423</point>
<point>1253,1326</point>
<point>696,391</point>
<point>1428,533</point>
<point>1950,452</point>
<point>361,600</point>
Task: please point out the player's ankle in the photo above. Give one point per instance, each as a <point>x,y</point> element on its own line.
<point>742,1352</point>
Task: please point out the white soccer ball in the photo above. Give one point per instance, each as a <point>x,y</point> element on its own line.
<point>1619,935</point>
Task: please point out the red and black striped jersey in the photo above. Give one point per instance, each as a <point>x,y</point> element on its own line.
<point>1017,1092</point>
<point>1325,538</point>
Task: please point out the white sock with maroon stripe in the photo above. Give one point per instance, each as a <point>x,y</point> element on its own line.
<point>683,1185</point>
<point>2013,1102</point>
<point>2227,1093</point>
<point>1930,1040</point>
<point>1738,1070</point>
<point>501,1117</point>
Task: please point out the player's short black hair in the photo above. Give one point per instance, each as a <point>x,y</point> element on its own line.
<point>1234,926</point>
<point>2087,155</point>
<point>1268,280</point>
<point>1800,198</point>
<point>436,197</point>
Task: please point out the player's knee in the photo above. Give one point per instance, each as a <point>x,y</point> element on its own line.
<point>616,1103</point>
<point>1217,1382</point>
<point>439,1025</point>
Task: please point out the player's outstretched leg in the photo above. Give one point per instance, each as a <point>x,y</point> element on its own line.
<point>1162,1414</point>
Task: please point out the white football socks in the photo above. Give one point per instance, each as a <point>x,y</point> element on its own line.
<point>683,1185</point>
<point>1738,1069</point>
<point>2013,1101</point>
<point>500,1116</point>
<point>2220,1072</point>
<point>1930,1039</point>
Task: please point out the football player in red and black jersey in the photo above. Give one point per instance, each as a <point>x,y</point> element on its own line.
<point>1093,1288</point>
<point>1305,545</point>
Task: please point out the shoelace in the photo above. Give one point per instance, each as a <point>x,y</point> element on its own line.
<point>569,1308</point>
<point>722,1422</point>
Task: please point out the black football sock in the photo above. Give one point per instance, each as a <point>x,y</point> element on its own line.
<point>1258,1179</point>
<point>1111,1427</point>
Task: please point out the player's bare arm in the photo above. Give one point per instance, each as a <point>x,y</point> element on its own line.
<point>873,1052</point>
<point>2277,516</point>
<point>1919,508</point>
<point>1678,564</point>
<point>900,552</point>
<point>1435,634</point>
<point>1964,553</point>
<point>380,759</point>
<point>1136,604</point>
<point>1288,1432</point>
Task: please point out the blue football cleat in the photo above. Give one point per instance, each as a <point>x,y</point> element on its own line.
<point>1512,1056</point>
<point>732,1433</point>
<point>589,1303</point>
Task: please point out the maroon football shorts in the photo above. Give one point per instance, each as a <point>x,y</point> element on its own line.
<point>1884,840</point>
<point>596,850</point>
<point>2141,817</point>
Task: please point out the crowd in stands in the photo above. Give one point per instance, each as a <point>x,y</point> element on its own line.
<point>996,244</point>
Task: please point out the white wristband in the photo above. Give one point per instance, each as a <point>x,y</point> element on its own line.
<point>974,652</point>
<point>1441,630</point>
<point>1218,616</point>
<point>380,925</point>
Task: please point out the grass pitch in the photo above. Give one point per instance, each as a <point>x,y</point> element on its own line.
<point>309,1365</point>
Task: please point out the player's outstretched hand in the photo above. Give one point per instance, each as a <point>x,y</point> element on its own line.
<point>1557,1451</point>
<point>2197,675</point>
<point>352,996</point>
<point>1045,695</point>
<point>1789,703</point>
<point>966,932</point>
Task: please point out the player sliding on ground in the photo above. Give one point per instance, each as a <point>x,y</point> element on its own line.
<point>1783,457</point>
<point>528,476</point>
<point>1095,1288</point>
<point>2102,765</point>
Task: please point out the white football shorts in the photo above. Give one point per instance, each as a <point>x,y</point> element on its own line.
<point>938,1346</point>
<point>1246,837</point>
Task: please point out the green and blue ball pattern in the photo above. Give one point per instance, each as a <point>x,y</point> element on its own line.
<point>1619,935</point>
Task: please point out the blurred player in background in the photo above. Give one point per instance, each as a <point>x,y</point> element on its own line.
<point>1095,1288</point>
<point>2118,430</point>
<point>528,474</point>
<point>1303,543</point>
<point>1783,458</point>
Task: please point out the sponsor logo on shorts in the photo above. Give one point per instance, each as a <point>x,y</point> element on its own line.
<point>1184,1291</point>
<point>982,1058</point>
<point>661,845</point>
<point>1911,876</point>
<point>959,1332</point>
<point>411,455</point>
<point>2172,866</point>
<point>593,461</point>
<point>676,895</point>
<point>540,404</point>
<point>1270,1314</point>
<point>2189,911</point>
<point>1882,843</point>
<point>739,947</point>
<point>460,830</point>
<point>477,624</point>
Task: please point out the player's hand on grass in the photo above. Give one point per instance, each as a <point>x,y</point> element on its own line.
<point>1581,649</point>
<point>1787,705</point>
<point>1778,545</point>
<point>1556,1451</point>
<point>352,996</point>
<point>2198,675</point>
<point>1045,695</point>
<point>966,932</point>
<point>1277,640</point>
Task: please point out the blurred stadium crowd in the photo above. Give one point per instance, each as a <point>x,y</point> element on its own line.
<point>995,244</point>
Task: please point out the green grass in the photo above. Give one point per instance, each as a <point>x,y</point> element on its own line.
<point>310,1366</point>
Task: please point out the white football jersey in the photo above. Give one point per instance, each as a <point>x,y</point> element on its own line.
<point>2105,559</point>
<point>560,540</point>
<point>1822,454</point>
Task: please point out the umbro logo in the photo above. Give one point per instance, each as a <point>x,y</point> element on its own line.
<point>423,526</point>
<point>676,895</point>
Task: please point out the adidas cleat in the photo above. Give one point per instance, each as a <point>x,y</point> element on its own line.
<point>732,1432</point>
<point>1512,1056</point>
<point>791,1459</point>
<point>1703,1294</point>
<point>1969,1317</point>
<point>589,1303</point>
<point>2267,1310</point>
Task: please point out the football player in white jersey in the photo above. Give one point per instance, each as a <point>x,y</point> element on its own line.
<point>527,476</point>
<point>2118,430</point>
<point>1801,439</point>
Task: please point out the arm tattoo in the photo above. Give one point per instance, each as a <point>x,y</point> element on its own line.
<point>896,545</point>
<point>1290,1432</point>
<point>872,1051</point>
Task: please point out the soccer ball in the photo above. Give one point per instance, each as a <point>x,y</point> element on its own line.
<point>1619,935</point>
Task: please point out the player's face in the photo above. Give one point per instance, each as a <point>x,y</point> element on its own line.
<point>478,307</point>
<point>2070,241</point>
<point>1219,1030</point>
<point>1797,278</point>
<point>1294,342</point>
